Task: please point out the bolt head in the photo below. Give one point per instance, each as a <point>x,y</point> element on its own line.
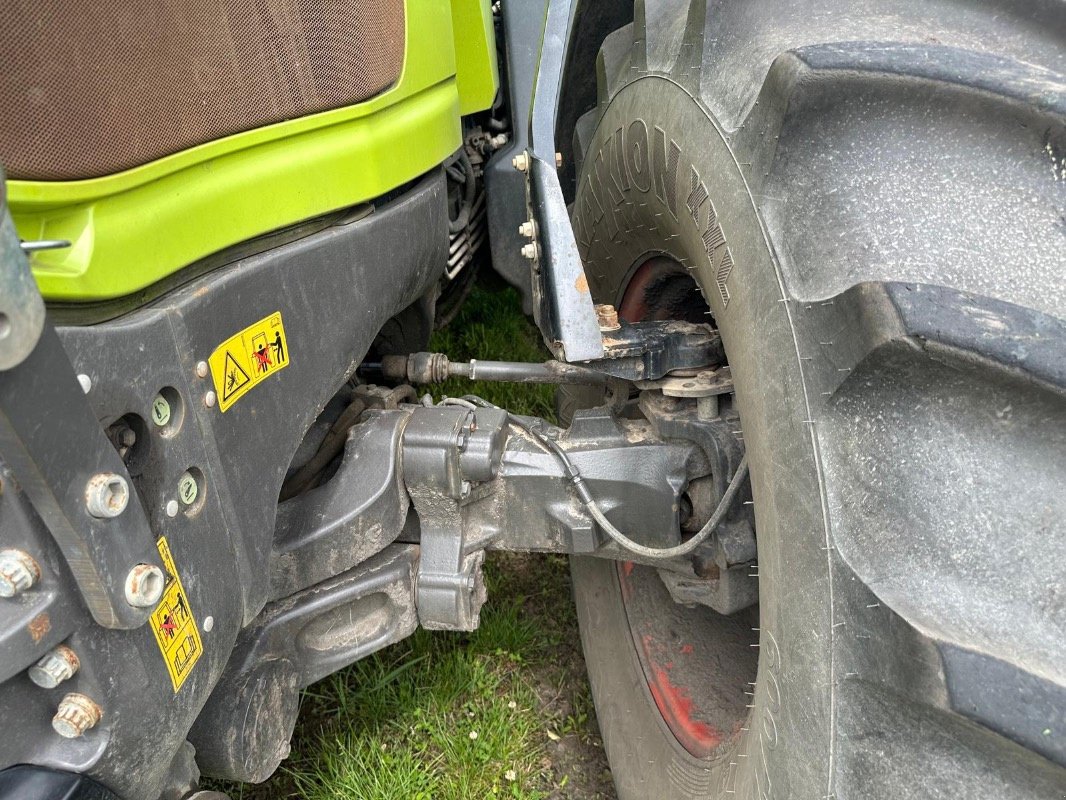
<point>54,667</point>
<point>520,162</point>
<point>75,715</point>
<point>201,369</point>
<point>144,585</point>
<point>18,572</point>
<point>106,495</point>
<point>85,382</point>
<point>558,160</point>
<point>607,317</point>
<point>529,251</point>
<point>527,229</point>
<point>209,399</point>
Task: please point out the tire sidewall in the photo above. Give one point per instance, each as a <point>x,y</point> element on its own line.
<point>631,202</point>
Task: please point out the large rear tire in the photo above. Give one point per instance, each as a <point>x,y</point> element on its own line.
<point>871,203</point>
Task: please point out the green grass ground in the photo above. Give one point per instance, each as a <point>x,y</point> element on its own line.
<point>502,712</point>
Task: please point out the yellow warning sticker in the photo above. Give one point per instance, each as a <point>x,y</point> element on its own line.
<point>173,624</point>
<point>248,357</point>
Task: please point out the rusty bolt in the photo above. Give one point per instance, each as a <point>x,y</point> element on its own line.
<point>106,495</point>
<point>75,715</point>
<point>54,667</point>
<point>144,585</point>
<point>520,162</point>
<point>18,572</point>
<point>607,317</point>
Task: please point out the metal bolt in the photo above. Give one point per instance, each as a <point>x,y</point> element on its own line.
<point>527,229</point>
<point>106,495</point>
<point>209,624</point>
<point>558,160</point>
<point>187,488</point>
<point>86,382</point>
<point>520,162</point>
<point>55,667</point>
<point>530,250</point>
<point>144,585</point>
<point>172,508</point>
<point>607,317</point>
<point>18,572</point>
<point>201,369</point>
<point>75,715</point>
<point>209,399</point>
<point>160,410</point>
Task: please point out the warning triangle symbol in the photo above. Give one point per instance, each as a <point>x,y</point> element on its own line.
<point>234,379</point>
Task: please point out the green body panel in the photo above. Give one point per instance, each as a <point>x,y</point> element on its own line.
<point>134,228</point>
<point>477,72</point>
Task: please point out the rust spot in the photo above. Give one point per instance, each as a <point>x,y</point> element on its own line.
<point>39,626</point>
<point>582,284</point>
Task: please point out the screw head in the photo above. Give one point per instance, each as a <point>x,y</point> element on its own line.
<point>75,715</point>
<point>607,317</point>
<point>160,411</point>
<point>18,572</point>
<point>201,369</point>
<point>54,667</point>
<point>188,488</point>
<point>520,162</point>
<point>529,251</point>
<point>85,382</point>
<point>172,508</point>
<point>527,229</point>
<point>144,585</point>
<point>209,624</point>
<point>209,399</point>
<point>106,495</point>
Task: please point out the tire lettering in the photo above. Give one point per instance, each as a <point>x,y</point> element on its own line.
<point>664,170</point>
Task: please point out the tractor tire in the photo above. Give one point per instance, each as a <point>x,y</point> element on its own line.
<point>870,201</point>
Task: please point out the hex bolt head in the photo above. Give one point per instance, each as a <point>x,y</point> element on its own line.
<point>18,572</point>
<point>527,229</point>
<point>144,585</point>
<point>55,667</point>
<point>558,160</point>
<point>75,715</point>
<point>607,317</point>
<point>201,369</point>
<point>160,411</point>
<point>520,162</point>
<point>106,495</point>
<point>530,251</point>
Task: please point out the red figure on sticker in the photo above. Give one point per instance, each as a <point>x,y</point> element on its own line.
<point>168,627</point>
<point>262,355</point>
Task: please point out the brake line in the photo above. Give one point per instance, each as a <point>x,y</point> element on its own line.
<point>574,476</point>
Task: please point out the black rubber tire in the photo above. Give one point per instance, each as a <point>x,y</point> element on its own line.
<point>871,200</point>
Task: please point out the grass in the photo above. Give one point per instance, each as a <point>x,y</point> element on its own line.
<point>503,712</point>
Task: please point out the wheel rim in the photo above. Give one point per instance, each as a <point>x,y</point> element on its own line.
<point>699,666</point>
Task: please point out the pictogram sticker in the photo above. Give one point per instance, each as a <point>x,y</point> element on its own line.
<point>247,358</point>
<point>174,625</point>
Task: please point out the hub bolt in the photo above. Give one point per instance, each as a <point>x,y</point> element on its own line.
<point>75,715</point>
<point>106,495</point>
<point>144,585</point>
<point>18,572</point>
<point>54,667</point>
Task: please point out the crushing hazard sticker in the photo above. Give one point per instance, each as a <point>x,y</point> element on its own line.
<point>173,624</point>
<point>248,357</point>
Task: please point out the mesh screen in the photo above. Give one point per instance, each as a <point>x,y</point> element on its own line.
<point>91,87</point>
